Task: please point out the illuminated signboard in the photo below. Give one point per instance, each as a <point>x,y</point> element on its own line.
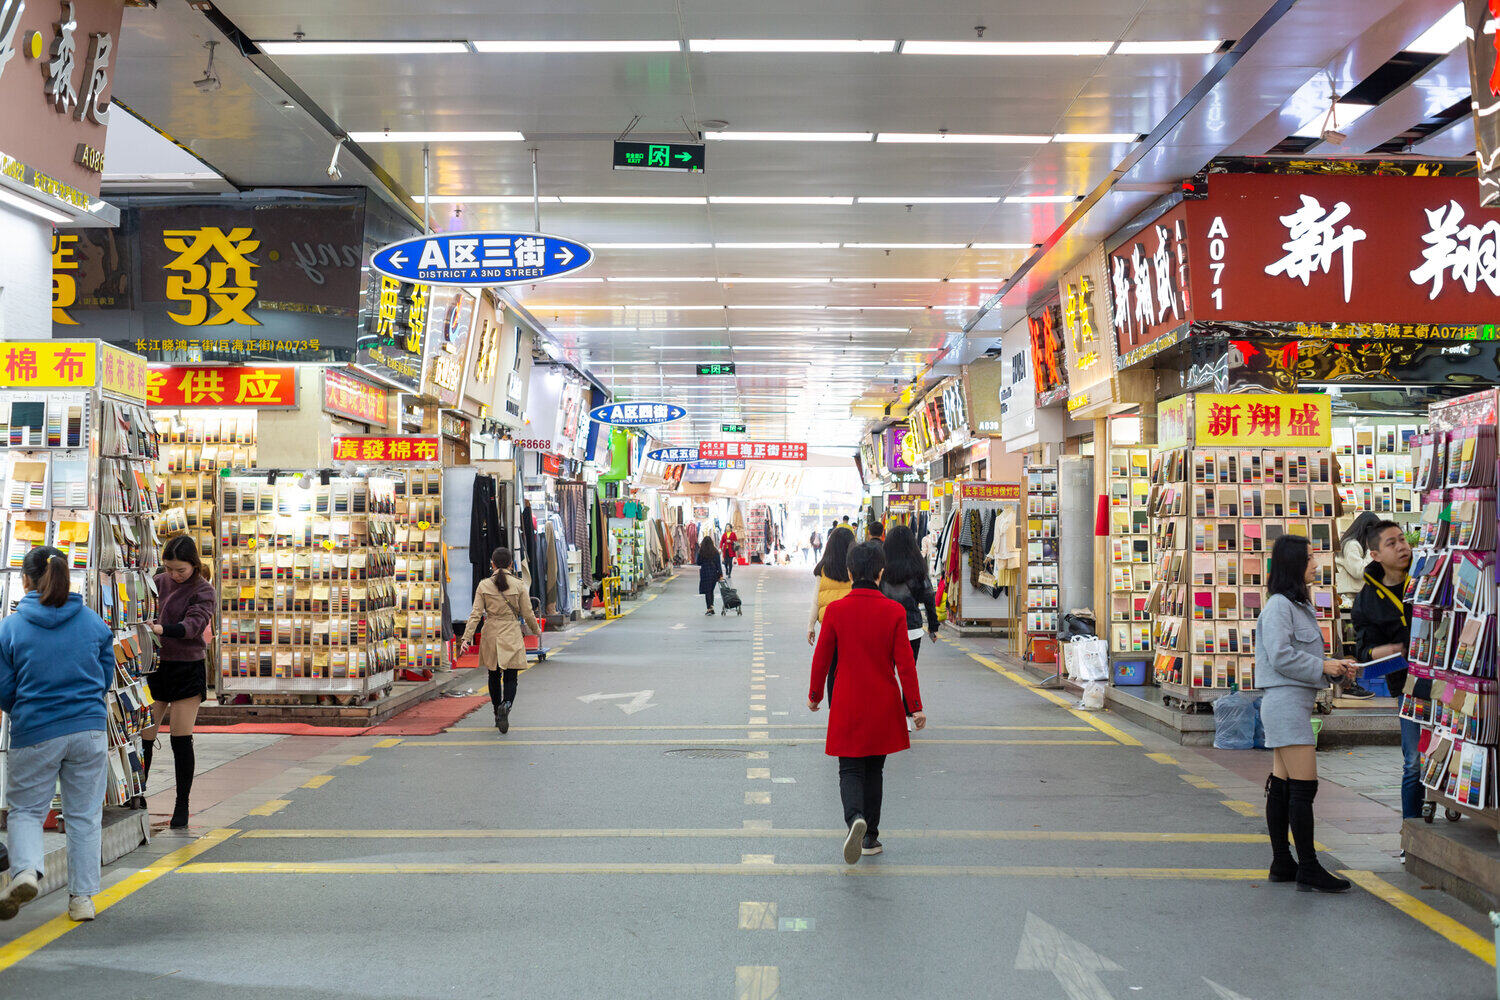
<point>732,428</point>
<point>678,156</point>
<point>716,368</point>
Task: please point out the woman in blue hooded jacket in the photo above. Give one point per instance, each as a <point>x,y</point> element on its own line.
<point>56,662</point>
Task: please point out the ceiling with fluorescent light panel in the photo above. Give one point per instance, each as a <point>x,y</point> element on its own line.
<point>876,170</point>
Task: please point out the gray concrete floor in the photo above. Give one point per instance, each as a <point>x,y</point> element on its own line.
<point>1029,854</point>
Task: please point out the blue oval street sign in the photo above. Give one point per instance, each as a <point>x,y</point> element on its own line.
<point>673,456</point>
<point>481,258</point>
<point>636,414</point>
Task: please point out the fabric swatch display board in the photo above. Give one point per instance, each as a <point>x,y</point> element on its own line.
<point>1131,562</point>
<point>307,587</point>
<point>1450,686</point>
<point>989,560</point>
<point>79,474</point>
<point>1222,492</point>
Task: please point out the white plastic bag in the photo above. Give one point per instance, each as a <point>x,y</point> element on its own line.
<point>1093,695</point>
<point>1087,659</point>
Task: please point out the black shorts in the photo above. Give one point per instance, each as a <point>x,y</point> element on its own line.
<point>174,680</point>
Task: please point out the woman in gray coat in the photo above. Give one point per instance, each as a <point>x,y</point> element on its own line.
<point>1291,668</point>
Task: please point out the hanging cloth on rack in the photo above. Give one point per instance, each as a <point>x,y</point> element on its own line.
<point>484,530</point>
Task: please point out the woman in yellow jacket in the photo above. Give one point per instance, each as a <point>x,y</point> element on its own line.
<point>832,574</point>
<point>504,604</point>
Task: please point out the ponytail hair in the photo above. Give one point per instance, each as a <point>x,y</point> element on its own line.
<point>184,549</point>
<point>501,559</point>
<point>46,570</point>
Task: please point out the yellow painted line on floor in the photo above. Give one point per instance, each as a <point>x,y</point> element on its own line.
<point>762,828</point>
<point>758,755</point>
<point>28,943</point>
<point>750,865</point>
<point>1243,808</point>
<point>757,773</point>
<point>356,759</point>
<point>757,798</point>
<point>1164,758</point>
<point>317,782</point>
<point>757,916</point>
<point>757,982</point>
<point>1097,723</point>
<point>758,720</point>
<point>1197,781</point>
<point>1479,946</point>
<point>270,808</point>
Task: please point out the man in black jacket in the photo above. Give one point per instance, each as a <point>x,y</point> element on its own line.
<point>1382,627</point>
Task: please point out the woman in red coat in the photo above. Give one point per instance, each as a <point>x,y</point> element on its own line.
<point>866,632</point>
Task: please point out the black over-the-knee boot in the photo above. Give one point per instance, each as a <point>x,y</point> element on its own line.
<point>183,762</point>
<point>1310,874</point>
<point>1283,865</point>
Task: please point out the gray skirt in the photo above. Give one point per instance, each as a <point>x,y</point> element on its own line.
<point>1286,715</point>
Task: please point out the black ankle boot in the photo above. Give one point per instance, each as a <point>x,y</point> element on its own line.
<point>1283,865</point>
<point>502,717</point>
<point>183,763</point>
<point>139,801</point>
<point>499,708</point>
<point>1311,876</point>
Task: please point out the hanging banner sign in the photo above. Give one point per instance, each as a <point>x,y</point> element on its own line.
<point>636,414</point>
<point>344,396</point>
<point>64,364</point>
<point>218,386</point>
<point>1484,80</point>
<point>673,456</point>
<point>474,259</point>
<point>386,450</point>
<point>989,491</point>
<point>785,451</point>
<point>1264,420</point>
<point>717,463</point>
<point>1172,423</point>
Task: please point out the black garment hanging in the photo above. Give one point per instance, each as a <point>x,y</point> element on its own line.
<point>485,535</point>
<point>529,536</point>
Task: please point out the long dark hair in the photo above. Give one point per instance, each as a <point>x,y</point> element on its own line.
<point>1288,575</point>
<point>501,559</point>
<point>707,550</point>
<point>46,569</point>
<point>903,556</point>
<point>835,562</point>
<point>184,549</point>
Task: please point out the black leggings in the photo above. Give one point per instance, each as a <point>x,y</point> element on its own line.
<point>503,685</point>
<point>708,599</point>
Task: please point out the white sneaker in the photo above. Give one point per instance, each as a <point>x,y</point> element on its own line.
<point>854,843</point>
<point>22,890</point>
<point>80,908</point>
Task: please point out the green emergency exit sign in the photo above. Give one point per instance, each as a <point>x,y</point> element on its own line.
<point>716,368</point>
<point>732,428</point>
<point>679,156</point>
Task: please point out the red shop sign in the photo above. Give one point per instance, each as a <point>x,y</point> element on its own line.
<point>345,396</point>
<point>386,450</point>
<point>1149,287</point>
<point>221,387</point>
<point>793,451</point>
<point>1328,249</point>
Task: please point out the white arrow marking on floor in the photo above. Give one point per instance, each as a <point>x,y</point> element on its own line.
<point>678,627</point>
<point>1224,992</point>
<point>1071,962</point>
<point>638,700</point>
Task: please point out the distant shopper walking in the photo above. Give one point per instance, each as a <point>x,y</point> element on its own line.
<point>832,574</point>
<point>815,540</point>
<point>906,582</point>
<point>56,663</point>
<point>179,684</point>
<point>728,546</point>
<point>866,632</point>
<point>710,571</point>
<point>504,603</point>
<point>1291,668</point>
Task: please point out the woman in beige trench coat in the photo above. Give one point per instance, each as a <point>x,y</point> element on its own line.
<point>505,605</point>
